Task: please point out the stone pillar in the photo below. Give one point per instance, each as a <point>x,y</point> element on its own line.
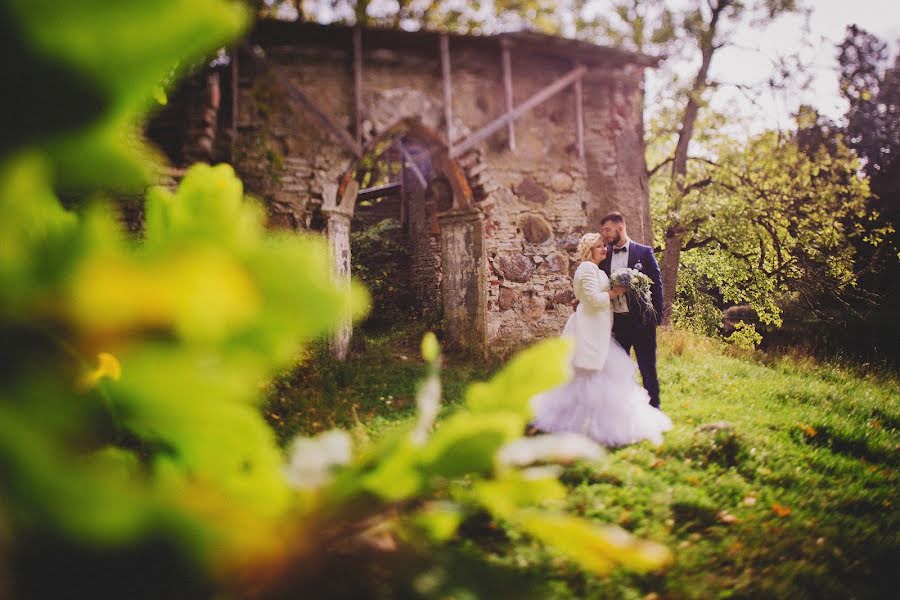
<point>338,233</point>
<point>463,284</point>
<point>202,114</point>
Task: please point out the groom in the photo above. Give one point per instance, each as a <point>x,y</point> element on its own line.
<point>634,327</point>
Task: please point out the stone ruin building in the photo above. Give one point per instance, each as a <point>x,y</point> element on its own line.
<point>495,153</point>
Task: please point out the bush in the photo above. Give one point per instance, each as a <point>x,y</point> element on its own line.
<point>744,336</point>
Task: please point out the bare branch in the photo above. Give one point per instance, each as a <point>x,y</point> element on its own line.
<point>652,172</point>
<point>698,185</point>
<point>692,243</point>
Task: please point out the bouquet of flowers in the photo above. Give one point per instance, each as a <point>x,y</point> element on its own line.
<point>637,287</point>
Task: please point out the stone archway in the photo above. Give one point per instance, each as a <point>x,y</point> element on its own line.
<point>462,264</point>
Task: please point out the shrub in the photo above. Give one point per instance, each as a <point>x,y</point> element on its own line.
<point>744,337</point>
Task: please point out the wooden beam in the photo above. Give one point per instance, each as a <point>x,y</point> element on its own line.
<point>379,191</point>
<point>403,194</point>
<point>234,99</point>
<point>412,164</point>
<point>508,86</point>
<point>339,134</point>
<point>357,82</point>
<point>498,123</point>
<point>579,116</point>
<point>448,93</point>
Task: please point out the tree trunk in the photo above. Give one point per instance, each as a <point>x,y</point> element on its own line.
<point>670,263</point>
<point>674,235</point>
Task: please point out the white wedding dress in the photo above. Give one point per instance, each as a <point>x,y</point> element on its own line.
<point>603,399</point>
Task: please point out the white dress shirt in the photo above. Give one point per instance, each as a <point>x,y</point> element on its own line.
<point>618,261</point>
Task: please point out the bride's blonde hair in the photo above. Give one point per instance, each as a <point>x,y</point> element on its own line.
<point>586,244</point>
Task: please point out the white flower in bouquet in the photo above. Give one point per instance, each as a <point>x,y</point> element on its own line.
<point>637,286</point>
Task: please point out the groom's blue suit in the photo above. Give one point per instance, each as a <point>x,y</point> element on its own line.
<point>637,328</point>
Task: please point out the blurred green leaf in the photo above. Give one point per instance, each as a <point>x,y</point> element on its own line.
<point>534,370</point>
<point>596,549</point>
<point>465,443</point>
<point>439,520</point>
<point>395,477</point>
<point>118,52</point>
<point>506,494</point>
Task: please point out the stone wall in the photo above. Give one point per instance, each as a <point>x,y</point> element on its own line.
<point>614,134</point>
<point>535,202</point>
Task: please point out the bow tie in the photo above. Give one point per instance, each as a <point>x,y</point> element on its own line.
<point>622,249</point>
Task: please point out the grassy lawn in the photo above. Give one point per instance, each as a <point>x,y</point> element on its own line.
<point>779,479</point>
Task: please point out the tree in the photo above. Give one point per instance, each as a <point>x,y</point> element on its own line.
<point>706,27</point>
<point>872,91</point>
<point>461,17</point>
<point>871,86</point>
<point>782,218</point>
<point>700,30</point>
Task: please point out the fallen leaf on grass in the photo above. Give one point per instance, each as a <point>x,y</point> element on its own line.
<point>781,510</point>
<point>807,430</point>
<point>657,463</point>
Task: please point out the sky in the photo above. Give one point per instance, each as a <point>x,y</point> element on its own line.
<point>750,60</point>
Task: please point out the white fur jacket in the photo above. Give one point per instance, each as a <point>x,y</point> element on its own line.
<point>591,324</point>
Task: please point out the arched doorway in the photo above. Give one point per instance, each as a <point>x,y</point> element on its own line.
<point>406,172</point>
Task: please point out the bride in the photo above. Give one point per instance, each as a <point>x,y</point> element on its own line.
<point>603,399</point>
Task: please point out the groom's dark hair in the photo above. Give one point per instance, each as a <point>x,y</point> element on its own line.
<point>615,217</point>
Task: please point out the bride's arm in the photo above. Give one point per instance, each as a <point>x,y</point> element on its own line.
<point>593,296</point>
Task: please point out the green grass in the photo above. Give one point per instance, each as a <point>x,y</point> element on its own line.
<point>793,494</point>
<point>374,389</point>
